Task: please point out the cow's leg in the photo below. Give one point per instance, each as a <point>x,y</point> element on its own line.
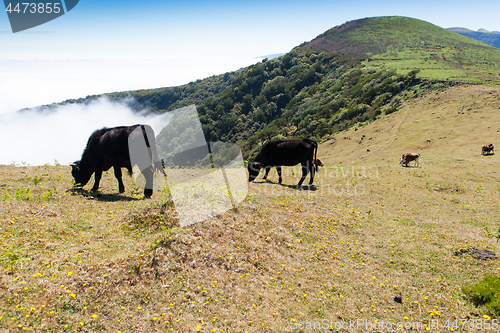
<point>312,170</point>
<point>268,168</point>
<point>148,175</point>
<point>118,175</point>
<point>278,169</point>
<point>304,174</point>
<point>97,177</point>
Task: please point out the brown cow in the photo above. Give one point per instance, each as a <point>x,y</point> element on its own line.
<point>408,157</point>
<point>317,163</point>
<point>487,149</point>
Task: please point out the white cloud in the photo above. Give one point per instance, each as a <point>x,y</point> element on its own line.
<point>30,81</point>
<point>42,135</point>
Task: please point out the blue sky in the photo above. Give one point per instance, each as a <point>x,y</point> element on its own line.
<point>108,45</point>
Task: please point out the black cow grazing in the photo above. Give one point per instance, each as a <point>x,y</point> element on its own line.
<point>109,147</point>
<point>285,152</point>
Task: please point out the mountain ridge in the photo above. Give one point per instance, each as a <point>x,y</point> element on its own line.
<point>491,38</point>
<point>407,44</point>
<point>371,36</point>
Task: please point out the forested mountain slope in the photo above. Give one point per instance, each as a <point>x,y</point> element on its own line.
<point>350,74</point>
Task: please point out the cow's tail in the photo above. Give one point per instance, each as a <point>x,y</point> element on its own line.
<point>158,165</point>
<point>315,160</point>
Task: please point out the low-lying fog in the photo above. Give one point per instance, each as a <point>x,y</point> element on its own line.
<point>40,136</point>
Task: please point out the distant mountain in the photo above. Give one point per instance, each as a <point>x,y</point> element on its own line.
<point>406,44</point>
<point>378,35</point>
<point>484,36</point>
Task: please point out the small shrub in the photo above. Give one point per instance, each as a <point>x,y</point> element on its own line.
<point>37,180</point>
<point>494,234</point>
<point>9,257</point>
<point>151,218</point>
<point>5,195</point>
<point>23,193</point>
<point>485,292</point>
<point>49,194</point>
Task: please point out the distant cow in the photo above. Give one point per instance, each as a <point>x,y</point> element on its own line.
<point>408,157</point>
<point>487,149</point>
<point>285,152</point>
<point>109,147</point>
<point>318,163</point>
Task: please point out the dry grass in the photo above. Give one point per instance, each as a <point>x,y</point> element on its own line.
<point>340,251</point>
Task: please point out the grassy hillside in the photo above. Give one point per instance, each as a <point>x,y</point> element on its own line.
<point>406,44</point>
<point>369,231</point>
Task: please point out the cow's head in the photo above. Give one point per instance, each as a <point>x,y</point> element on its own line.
<point>402,159</point>
<point>253,170</point>
<point>81,177</point>
<point>318,162</point>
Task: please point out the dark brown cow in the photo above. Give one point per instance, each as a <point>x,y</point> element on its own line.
<point>487,149</point>
<point>109,147</point>
<point>408,157</point>
<point>285,152</point>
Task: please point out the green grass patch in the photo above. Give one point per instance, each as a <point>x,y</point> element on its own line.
<point>486,292</point>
